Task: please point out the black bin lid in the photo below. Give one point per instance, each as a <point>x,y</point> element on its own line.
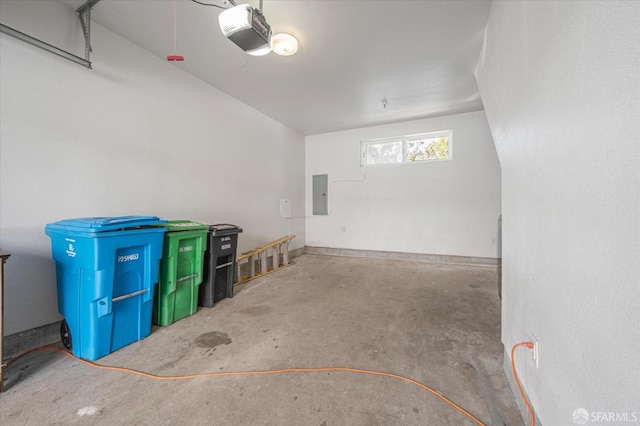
<point>222,229</point>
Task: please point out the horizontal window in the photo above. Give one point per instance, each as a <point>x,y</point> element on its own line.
<point>407,149</point>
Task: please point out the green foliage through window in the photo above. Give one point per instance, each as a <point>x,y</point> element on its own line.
<point>428,149</point>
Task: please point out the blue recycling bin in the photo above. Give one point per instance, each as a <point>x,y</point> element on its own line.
<point>106,270</point>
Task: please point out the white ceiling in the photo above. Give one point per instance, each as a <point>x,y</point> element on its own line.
<point>419,55</point>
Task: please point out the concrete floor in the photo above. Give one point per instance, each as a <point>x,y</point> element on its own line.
<point>436,324</point>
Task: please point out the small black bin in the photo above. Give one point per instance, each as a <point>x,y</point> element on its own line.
<point>219,264</point>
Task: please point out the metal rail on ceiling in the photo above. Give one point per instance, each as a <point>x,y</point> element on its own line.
<point>84,13</point>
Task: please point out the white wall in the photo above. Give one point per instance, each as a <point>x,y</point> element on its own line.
<point>559,81</point>
<point>135,135</point>
<point>443,208</point>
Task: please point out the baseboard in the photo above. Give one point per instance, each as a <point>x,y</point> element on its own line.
<point>395,255</point>
<point>508,371</point>
<point>297,252</point>
<point>18,343</point>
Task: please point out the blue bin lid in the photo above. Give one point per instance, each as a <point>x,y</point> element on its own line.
<point>104,224</point>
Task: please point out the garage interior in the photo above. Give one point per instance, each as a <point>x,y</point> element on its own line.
<point>399,273</point>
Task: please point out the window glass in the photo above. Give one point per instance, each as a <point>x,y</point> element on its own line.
<point>384,152</point>
<point>407,149</point>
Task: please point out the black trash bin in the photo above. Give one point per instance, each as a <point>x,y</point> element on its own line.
<point>219,264</point>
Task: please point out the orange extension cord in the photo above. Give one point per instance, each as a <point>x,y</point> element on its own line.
<point>515,375</point>
<point>257,373</point>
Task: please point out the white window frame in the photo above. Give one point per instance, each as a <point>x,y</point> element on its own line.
<point>404,139</point>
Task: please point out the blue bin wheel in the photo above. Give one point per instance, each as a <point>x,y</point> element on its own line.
<point>65,334</point>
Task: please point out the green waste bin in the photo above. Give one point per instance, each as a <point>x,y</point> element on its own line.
<point>180,275</point>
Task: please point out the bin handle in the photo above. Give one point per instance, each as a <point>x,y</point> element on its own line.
<point>126,219</point>
<point>127,296</point>
<point>223,265</point>
<point>188,277</point>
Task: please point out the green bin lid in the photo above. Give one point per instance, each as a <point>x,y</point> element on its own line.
<point>184,225</point>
